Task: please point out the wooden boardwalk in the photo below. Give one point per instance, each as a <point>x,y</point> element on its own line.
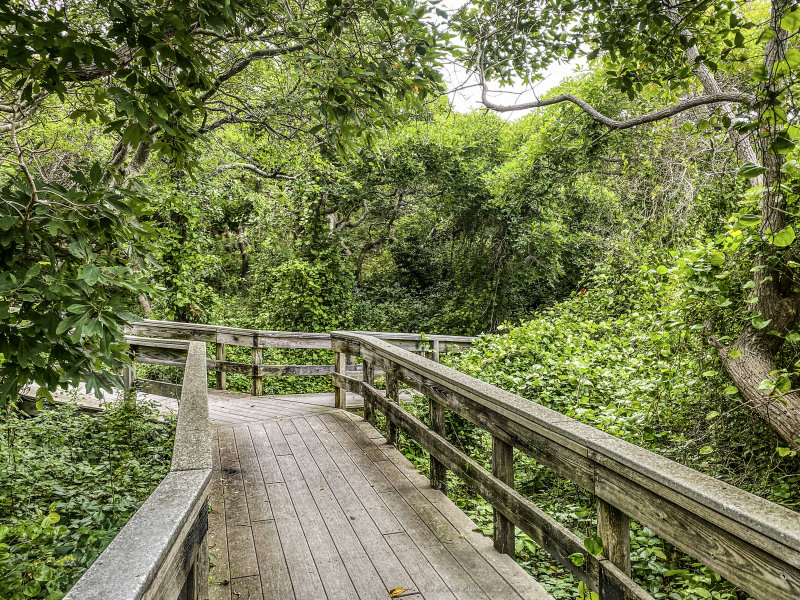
<point>314,504</point>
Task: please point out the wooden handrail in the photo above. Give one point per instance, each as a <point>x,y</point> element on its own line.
<point>162,551</point>
<point>165,343</point>
<point>750,541</point>
<point>261,338</point>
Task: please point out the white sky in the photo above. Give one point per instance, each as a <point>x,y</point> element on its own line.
<point>466,95</point>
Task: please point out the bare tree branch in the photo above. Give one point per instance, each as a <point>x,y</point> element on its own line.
<point>258,171</point>
<point>652,117</point>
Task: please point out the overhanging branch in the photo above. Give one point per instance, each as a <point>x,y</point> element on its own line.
<point>652,117</point>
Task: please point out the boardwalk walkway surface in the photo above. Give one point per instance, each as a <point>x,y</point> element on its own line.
<point>313,504</point>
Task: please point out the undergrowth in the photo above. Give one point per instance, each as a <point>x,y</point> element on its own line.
<point>69,481</point>
<point>620,357</point>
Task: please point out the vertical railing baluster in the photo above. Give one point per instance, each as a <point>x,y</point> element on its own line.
<point>437,469</point>
<point>614,528</point>
<point>129,377</point>
<point>221,375</point>
<point>340,394</point>
<point>436,354</point>
<point>368,376</point>
<point>503,469</point>
<point>258,384</point>
<point>392,394</point>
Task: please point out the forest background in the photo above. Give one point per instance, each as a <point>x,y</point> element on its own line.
<point>628,247</point>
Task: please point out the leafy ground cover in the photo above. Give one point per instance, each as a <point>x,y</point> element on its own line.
<point>623,357</point>
<point>69,481</point>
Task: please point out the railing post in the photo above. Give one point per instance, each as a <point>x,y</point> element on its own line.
<point>437,469</point>
<point>128,377</point>
<point>436,351</point>
<point>220,374</point>
<point>201,568</point>
<point>258,386</point>
<point>393,395</point>
<point>340,394</point>
<point>503,469</point>
<point>614,528</point>
<point>368,376</point>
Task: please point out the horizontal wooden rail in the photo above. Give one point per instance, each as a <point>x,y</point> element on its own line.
<point>750,541</point>
<point>162,551</point>
<point>165,342</point>
<point>257,338</point>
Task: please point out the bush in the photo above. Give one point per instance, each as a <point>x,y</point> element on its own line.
<point>69,481</point>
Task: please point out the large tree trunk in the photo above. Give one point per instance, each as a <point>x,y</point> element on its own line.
<point>243,245</point>
<point>776,299</point>
<point>747,371</point>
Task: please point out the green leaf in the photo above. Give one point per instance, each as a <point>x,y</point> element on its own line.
<point>662,270</point>
<point>91,274</point>
<point>766,35</point>
<point>760,323</point>
<point>749,170</point>
<point>43,573</point>
<point>712,415</point>
<point>578,558</point>
<point>782,144</point>
<point>33,588</point>
<point>731,390</point>
<point>792,57</point>
<point>791,21</point>
<point>95,174</point>
<point>783,238</point>
<point>593,545</point>
<point>706,450</point>
<point>717,259</point>
<point>51,519</point>
<point>793,337</point>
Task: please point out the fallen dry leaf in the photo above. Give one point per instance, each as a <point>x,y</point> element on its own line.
<point>397,592</point>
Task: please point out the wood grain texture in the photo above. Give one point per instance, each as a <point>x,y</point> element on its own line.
<point>221,375</point>
<point>503,469</point>
<point>614,528</point>
<point>752,542</point>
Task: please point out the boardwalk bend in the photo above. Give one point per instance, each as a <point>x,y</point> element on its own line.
<point>295,497</point>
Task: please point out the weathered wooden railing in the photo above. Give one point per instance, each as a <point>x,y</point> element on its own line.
<point>162,552</point>
<point>753,543</point>
<point>169,349</point>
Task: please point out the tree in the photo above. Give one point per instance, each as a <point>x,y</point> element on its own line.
<point>145,80</point>
<point>706,53</point>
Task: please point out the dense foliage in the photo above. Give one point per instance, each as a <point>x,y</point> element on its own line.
<point>629,247</point>
<point>68,483</point>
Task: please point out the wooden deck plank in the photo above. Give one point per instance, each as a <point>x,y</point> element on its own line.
<point>317,435</point>
<point>241,548</point>
<point>243,588</point>
<point>361,441</point>
<point>302,570</point>
<point>521,581</point>
<point>357,562</point>
<point>219,588</point>
<point>276,439</point>
<point>353,512</point>
<point>270,472</point>
<point>273,570</point>
<point>458,580</point>
<point>330,566</point>
<point>258,506</point>
<point>427,580</point>
<point>473,562</point>
<point>233,491</point>
<point>319,506</point>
